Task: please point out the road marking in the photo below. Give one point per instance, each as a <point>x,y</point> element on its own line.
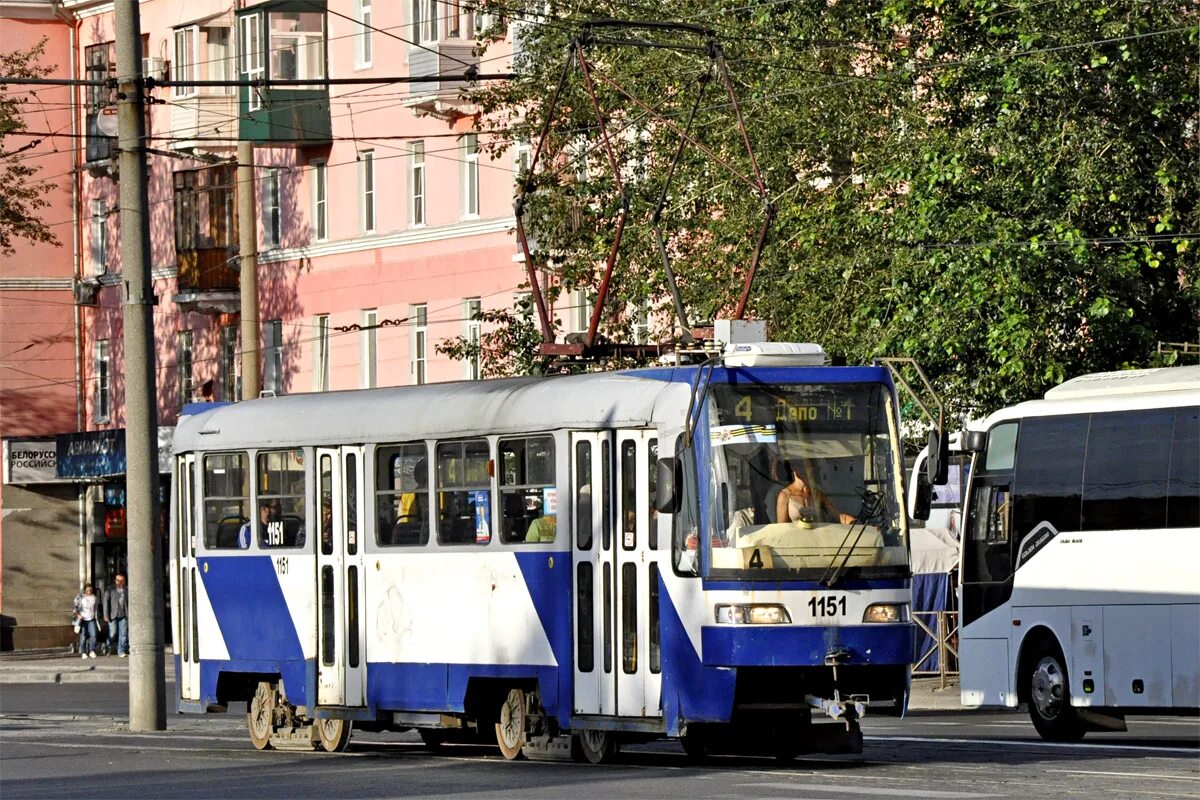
<point>874,791</point>
<point>1094,747</point>
<point>1139,775</point>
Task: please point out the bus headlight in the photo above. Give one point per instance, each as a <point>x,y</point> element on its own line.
<point>752,614</point>
<point>886,612</point>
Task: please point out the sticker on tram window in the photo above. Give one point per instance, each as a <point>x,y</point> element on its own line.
<point>830,605</point>
<point>757,558</point>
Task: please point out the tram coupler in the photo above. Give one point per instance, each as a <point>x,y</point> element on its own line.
<point>851,709</point>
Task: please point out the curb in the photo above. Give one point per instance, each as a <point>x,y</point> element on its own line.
<point>50,676</point>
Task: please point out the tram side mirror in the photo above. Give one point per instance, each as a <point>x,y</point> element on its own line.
<point>974,441</point>
<point>668,490</point>
<point>922,500</point>
<point>937,467</point>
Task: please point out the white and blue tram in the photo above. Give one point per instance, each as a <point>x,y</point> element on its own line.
<point>573,560</point>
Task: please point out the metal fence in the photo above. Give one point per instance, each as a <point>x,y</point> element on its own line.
<point>942,628</point>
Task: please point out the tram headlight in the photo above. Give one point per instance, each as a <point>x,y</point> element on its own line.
<point>752,614</point>
<point>886,612</point>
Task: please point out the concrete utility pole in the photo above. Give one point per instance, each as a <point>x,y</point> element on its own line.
<point>147,687</point>
<point>248,247</point>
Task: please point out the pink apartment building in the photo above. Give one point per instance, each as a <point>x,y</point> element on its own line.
<point>376,209</point>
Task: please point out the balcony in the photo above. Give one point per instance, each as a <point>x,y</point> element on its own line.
<point>436,98</point>
<point>205,239</point>
<point>197,121</point>
<point>208,280</point>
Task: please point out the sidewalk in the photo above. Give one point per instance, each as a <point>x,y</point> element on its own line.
<point>60,666</point>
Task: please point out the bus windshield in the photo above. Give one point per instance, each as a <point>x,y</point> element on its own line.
<point>804,482</point>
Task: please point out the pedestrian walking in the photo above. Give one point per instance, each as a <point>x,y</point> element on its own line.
<point>85,617</point>
<point>115,610</point>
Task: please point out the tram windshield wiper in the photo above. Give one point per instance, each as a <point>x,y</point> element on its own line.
<point>869,510</point>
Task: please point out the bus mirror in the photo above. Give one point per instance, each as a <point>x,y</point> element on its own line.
<point>974,441</point>
<point>667,490</point>
<point>938,465</point>
<point>922,500</point>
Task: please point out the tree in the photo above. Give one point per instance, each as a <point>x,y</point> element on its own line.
<point>1007,193</point>
<point>22,197</point>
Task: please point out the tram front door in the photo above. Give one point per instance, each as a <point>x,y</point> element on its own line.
<point>341,656</point>
<point>616,659</point>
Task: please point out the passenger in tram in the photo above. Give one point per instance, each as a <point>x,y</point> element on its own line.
<point>245,534</point>
<point>802,500</point>
<point>326,523</point>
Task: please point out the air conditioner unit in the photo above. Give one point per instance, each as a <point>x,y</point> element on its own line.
<point>86,292</point>
<point>155,68</point>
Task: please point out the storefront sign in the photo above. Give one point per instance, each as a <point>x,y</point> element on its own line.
<point>101,454</point>
<point>30,461</point>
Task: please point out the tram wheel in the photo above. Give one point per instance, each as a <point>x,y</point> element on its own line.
<point>697,747</point>
<point>333,734</point>
<point>592,746</point>
<point>1049,692</point>
<point>260,716</point>
<point>511,726</point>
<point>432,738</point>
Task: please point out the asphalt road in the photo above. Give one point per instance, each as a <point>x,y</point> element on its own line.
<point>69,740</point>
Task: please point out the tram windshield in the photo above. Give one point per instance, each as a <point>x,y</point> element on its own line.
<point>804,482</point>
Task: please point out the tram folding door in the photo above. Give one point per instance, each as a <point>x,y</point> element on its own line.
<point>185,579</point>
<point>341,628</point>
<point>610,475</point>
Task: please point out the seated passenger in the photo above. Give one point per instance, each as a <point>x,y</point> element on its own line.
<point>803,501</point>
<point>542,529</point>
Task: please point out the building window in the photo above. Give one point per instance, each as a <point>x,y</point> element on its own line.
<point>101,407</point>
<point>474,307</point>
<point>471,175</point>
<point>366,182</point>
<point>320,177</point>
<point>217,58</point>
<point>100,64</point>
<point>184,67</point>
<point>273,356</point>
<point>425,15</point>
<point>99,237</point>
<point>420,332</point>
<point>370,348</point>
<point>640,313</point>
<point>321,354</point>
<point>186,377</point>
<point>581,310</point>
<point>416,183</point>
<point>363,51</point>
<point>229,358</point>
<point>250,54</point>
<point>270,207</point>
<point>522,160</point>
<point>297,45</point>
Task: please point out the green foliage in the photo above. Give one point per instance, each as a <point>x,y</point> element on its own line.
<point>23,196</point>
<point>1007,193</point>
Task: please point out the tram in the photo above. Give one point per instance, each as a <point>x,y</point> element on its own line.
<point>565,563</point>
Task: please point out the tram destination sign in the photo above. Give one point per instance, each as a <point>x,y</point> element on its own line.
<point>30,461</point>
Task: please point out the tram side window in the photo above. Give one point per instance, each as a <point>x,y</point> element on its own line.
<point>528,490</point>
<point>1049,474</point>
<point>685,531</point>
<point>280,499</point>
<point>464,493</point>
<point>402,495</point>
<point>1183,493</point>
<point>226,499</point>
<point>1125,476</point>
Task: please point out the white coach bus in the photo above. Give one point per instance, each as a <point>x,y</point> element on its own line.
<point>1080,591</point>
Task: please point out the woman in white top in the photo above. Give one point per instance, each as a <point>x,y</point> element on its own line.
<point>85,615</point>
<point>802,501</point>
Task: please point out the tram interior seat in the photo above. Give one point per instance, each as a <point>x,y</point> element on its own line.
<point>227,531</point>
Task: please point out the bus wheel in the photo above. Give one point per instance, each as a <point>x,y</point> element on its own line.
<point>511,726</point>
<point>333,734</point>
<point>594,747</point>
<point>1050,697</point>
<point>260,717</point>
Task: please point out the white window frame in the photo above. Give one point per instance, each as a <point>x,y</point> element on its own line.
<point>99,237</point>
<point>230,388</point>
<point>581,310</point>
<point>186,64</point>
<point>363,44</point>
<point>251,63</point>
<point>370,348</point>
<point>368,211</point>
<point>470,173</point>
<point>217,64</point>
<point>186,364</point>
<point>320,193</point>
<point>472,306</point>
<point>101,400</point>
<point>419,316</point>
<point>425,19</point>
<point>273,351</point>
<point>416,184</point>
<point>271,222</point>
<point>321,368</point>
